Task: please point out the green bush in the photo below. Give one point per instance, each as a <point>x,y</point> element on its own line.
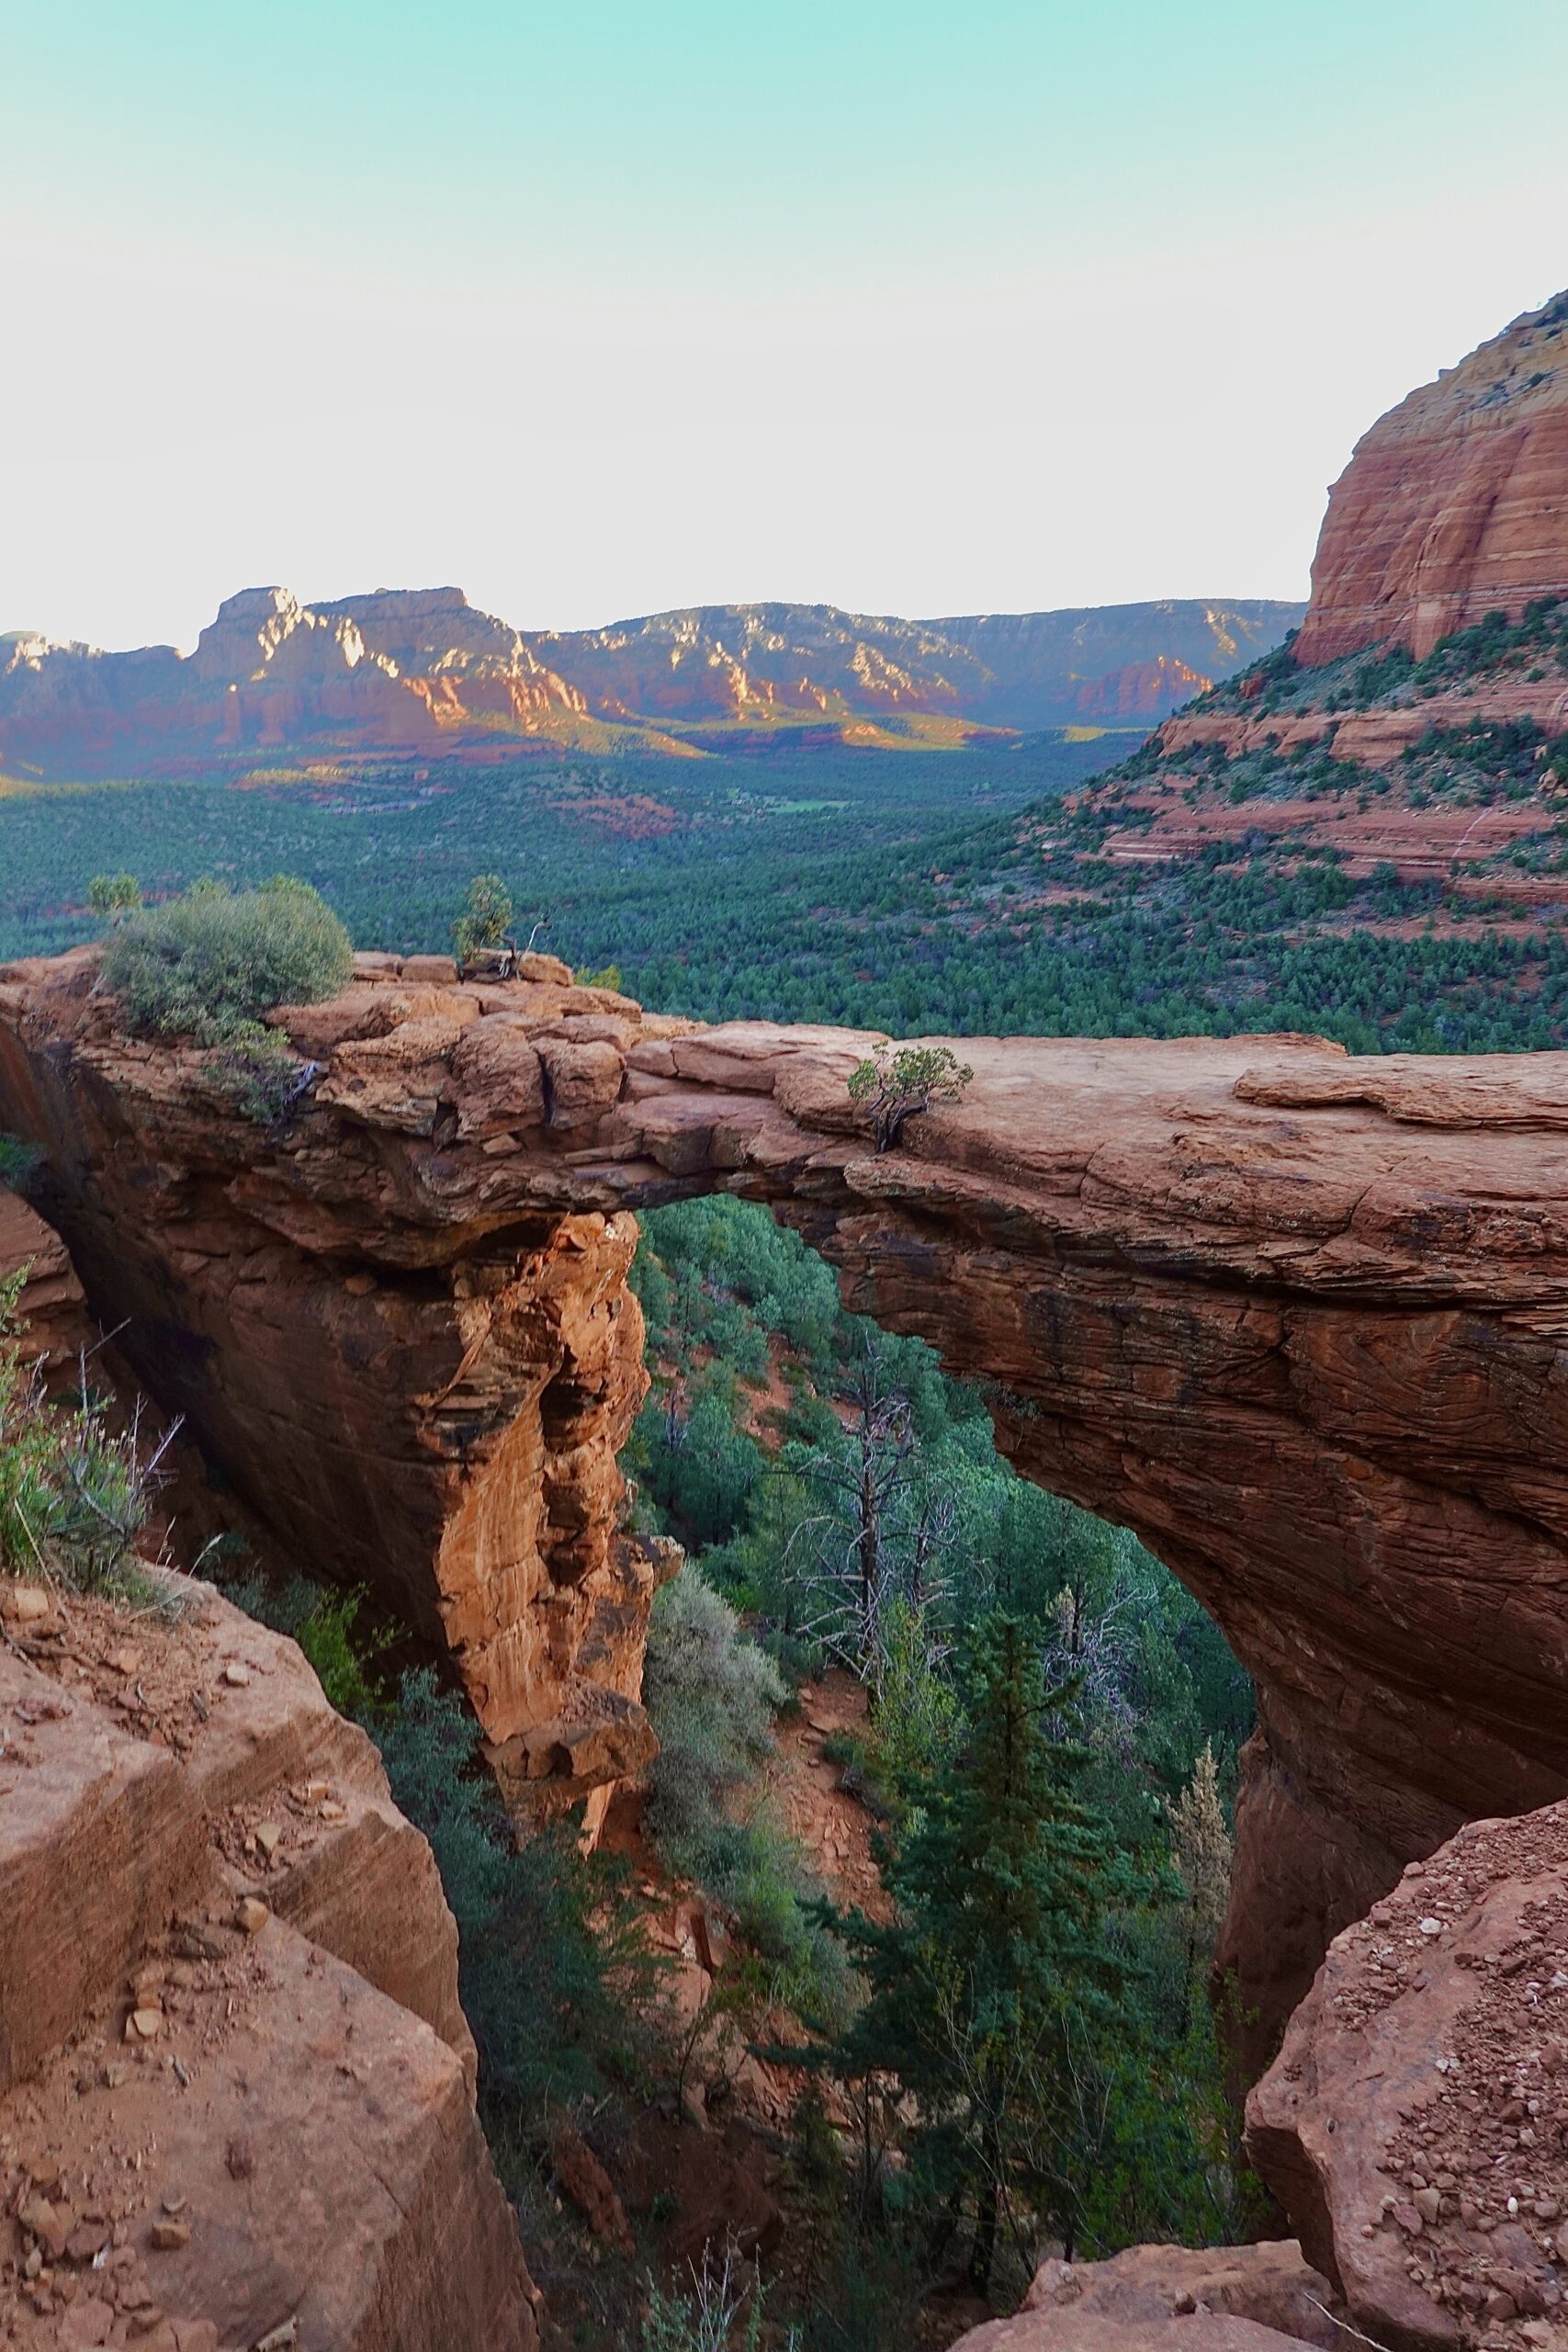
<point>722,2313</point>
<point>208,964</point>
<point>75,1494</point>
<point>326,1626</point>
<point>113,896</point>
<point>900,1082</point>
<point>486,917</point>
<point>17,1162</point>
<point>557,1980</point>
<point>711,1695</point>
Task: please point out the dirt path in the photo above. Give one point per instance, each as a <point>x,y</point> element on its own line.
<point>832,1826</point>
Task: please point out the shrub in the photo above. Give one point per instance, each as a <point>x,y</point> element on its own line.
<point>208,964</point>
<point>17,1162</point>
<point>711,1695</point>
<point>896,1082</point>
<point>557,1978</point>
<point>75,1494</point>
<point>114,895</point>
<point>722,2313</point>
<point>259,1074</point>
<point>485,919</point>
<point>326,1626</point>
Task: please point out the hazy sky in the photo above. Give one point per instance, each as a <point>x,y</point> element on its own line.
<point>609,305</point>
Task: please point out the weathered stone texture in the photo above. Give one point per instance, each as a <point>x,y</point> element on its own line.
<point>1455,503</point>
<point>229,2030</point>
<point>1294,1317</point>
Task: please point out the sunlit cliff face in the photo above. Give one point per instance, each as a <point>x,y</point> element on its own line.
<point>1455,504</point>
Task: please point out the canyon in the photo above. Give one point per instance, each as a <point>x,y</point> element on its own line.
<point>1291,1316</point>
<point>1296,1316</point>
<point>422,672</point>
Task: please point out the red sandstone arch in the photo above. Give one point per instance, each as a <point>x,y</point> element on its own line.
<point>1296,1318</point>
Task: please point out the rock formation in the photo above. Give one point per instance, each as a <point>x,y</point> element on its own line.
<point>412,1405</point>
<point>1415,2121</point>
<point>756,661</point>
<point>235,2082</point>
<point>1291,1316</point>
<point>271,674</point>
<point>1413,2126</point>
<point>422,672</point>
<point>1454,504</point>
<point>1173,2299</point>
<point>59,1327</point>
<point>1375,745</point>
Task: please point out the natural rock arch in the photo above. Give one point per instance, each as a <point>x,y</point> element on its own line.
<point>1296,1318</point>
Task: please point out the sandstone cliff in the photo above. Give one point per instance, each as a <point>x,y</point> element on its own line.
<point>1386,736</point>
<point>1454,504</point>
<point>1009,669</point>
<point>1291,1316</point>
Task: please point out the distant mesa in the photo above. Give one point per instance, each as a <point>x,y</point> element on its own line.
<point>422,670</point>
<point>1454,504</point>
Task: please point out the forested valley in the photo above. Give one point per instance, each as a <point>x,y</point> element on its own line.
<point>947,1767</point>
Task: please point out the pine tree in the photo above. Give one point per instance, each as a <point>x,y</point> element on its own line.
<point>1203,1844</point>
<point>997,1987</point>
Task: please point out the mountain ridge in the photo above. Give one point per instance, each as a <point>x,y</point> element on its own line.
<point>422,671</point>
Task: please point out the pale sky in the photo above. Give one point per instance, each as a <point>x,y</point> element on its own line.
<point>611,305</point>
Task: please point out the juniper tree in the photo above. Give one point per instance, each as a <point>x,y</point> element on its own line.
<point>997,1989</point>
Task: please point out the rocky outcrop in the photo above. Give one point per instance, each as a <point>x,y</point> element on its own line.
<point>422,672</point>
<point>1454,508</point>
<point>417,1397</point>
<point>1415,2121</point>
<point>235,2081</point>
<point>1144,690</point>
<point>1455,504</point>
<point>1291,1316</point>
<point>57,1329</point>
<point>271,674</point>
<point>1173,2299</point>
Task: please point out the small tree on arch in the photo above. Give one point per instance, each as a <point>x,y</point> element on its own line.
<point>485,919</point>
<point>899,1080</point>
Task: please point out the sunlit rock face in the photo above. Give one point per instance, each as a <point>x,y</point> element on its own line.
<point>1293,1316</point>
<point>421,672</point>
<point>1455,503</point>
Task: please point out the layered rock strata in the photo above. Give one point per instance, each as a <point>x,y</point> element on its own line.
<point>235,2081</point>
<point>1293,1316</point>
<point>415,1397</point>
<point>1455,503</point>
